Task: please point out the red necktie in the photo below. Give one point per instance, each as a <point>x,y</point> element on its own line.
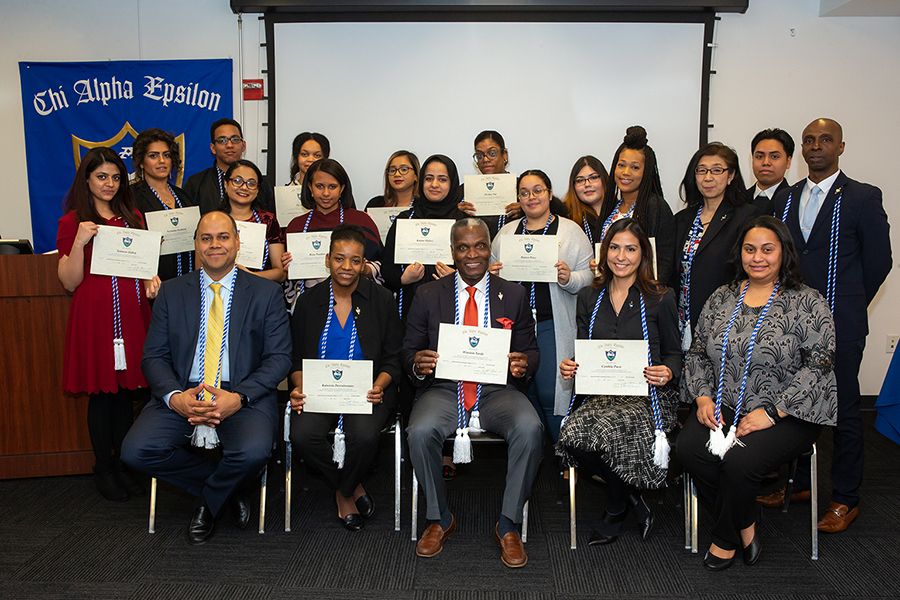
<point>470,317</point>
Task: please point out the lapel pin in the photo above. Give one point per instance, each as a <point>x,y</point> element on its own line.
<point>837,191</point>
<point>357,311</point>
<point>500,295</point>
<point>630,304</point>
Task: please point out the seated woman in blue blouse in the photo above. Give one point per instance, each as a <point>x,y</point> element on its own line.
<point>346,317</point>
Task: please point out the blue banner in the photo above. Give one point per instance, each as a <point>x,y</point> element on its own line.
<point>70,108</point>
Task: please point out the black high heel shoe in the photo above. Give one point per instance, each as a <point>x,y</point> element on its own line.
<point>642,514</point>
<point>608,530</point>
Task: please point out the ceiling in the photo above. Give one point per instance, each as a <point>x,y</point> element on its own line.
<point>859,8</point>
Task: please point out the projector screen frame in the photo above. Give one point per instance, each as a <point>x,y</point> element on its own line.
<point>707,18</point>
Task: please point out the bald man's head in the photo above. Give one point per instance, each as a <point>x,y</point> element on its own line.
<point>822,145</point>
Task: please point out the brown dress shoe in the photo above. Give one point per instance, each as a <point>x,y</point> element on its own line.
<point>433,538</point>
<point>837,518</point>
<point>512,552</point>
<point>776,499</point>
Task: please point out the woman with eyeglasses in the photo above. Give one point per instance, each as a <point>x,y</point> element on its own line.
<point>491,157</point>
<point>634,190</point>
<point>156,160</point>
<point>587,183</point>
<point>705,231</point>
<point>552,303</point>
<point>401,175</point>
<point>242,181</point>
<point>307,148</point>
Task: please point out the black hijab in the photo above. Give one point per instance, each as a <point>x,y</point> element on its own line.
<point>448,208</point>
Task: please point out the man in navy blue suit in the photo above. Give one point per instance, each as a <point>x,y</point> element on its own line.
<point>251,358</point>
<point>772,151</point>
<point>847,260</point>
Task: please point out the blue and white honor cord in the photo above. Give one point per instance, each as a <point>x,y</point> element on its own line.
<point>205,436</point>
<point>832,249</point>
<point>118,339</point>
<point>221,177</point>
<point>302,285</point>
<point>612,217</point>
<point>587,230</point>
<point>462,445</point>
<point>165,207</point>
<point>719,443</point>
<point>340,444</point>
<point>687,256</point>
<point>412,211</point>
<point>532,299</point>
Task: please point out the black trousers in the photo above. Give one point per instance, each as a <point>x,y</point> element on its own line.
<point>731,484</point>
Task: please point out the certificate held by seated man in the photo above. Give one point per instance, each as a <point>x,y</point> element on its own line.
<point>337,386</point>
<point>611,367</point>
<point>490,193</point>
<point>530,258</point>
<point>125,252</point>
<point>423,241</point>
<point>479,354</point>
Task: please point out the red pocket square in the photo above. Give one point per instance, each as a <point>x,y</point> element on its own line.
<point>507,323</point>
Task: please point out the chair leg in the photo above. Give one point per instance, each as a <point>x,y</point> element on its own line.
<point>686,481</point>
<point>525,522</point>
<point>573,545</point>
<point>262,501</point>
<point>415,505</point>
<point>694,519</point>
<point>152,527</point>
<point>287,485</point>
<point>814,501</point>
<point>789,486</point>
<point>397,452</point>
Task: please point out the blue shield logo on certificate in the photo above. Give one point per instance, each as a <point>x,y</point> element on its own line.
<point>316,244</point>
<point>174,221</point>
<point>337,374</point>
<point>610,355</point>
<point>529,247</point>
<point>393,217</point>
<point>425,230</point>
<point>473,340</point>
<point>127,241</point>
<point>490,185</point>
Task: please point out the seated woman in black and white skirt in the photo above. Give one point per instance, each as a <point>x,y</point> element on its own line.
<point>622,438</point>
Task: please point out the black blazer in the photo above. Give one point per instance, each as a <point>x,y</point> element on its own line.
<point>203,188</point>
<point>435,304</point>
<point>765,205</point>
<point>377,325</point>
<point>864,249</point>
<point>711,267</point>
<point>146,201</point>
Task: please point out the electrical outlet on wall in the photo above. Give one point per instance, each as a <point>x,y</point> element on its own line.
<point>891,344</point>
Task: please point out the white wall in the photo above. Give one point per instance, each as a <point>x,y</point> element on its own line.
<point>763,74</point>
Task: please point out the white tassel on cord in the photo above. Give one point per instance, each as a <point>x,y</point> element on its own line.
<point>719,443</point>
<point>205,437</point>
<point>661,450</point>
<point>119,353</point>
<point>340,448</point>
<point>287,421</point>
<point>475,422</point>
<point>462,446</point>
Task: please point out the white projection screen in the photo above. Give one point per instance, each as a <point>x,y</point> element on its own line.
<point>555,91</point>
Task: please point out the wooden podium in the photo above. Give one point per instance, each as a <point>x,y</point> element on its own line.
<point>42,430</point>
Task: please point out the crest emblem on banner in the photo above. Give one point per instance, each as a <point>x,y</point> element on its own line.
<point>529,247</point>
<point>316,244</point>
<point>121,144</point>
<point>473,340</point>
<point>490,185</point>
<point>425,230</point>
<point>127,241</point>
<point>337,374</point>
<point>610,354</point>
<point>174,221</point>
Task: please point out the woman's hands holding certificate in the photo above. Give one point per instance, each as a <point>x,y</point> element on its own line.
<point>375,395</point>
<point>518,363</point>
<point>442,270</point>
<point>562,272</point>
<point>568,368</point>
<point>286,259</point>
<point>298,399</point>
<point>412,273</point>
<point>658,375</point>
<point>151,286</point>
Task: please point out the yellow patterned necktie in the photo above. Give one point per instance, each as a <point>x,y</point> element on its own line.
<point>214,329</point>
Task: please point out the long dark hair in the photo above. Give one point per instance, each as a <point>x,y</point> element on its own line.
<point>577,208</point>
<point>789,274</point>
<point>557,206</point>
<point>635,139</point>
<point>225,205</point>
<point>333,168</point>
<point>735,191</point>
<point>645,281</point>
<point>390,196</point>
<point>301,139</point>
<point>80,199</point>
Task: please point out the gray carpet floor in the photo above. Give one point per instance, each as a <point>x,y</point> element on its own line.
<point>60,539</point>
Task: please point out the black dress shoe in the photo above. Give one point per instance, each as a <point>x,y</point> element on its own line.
<point>714,563</point>
<point>752,550</point>
<point>608,530</point>
<point>352,522</point>
<point>201,526</point>
<point>642,514</point>
<point>365,504</point>
<point>241,510</point>
<point>109,485</point>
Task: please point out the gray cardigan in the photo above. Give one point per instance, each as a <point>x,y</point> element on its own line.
<point>575,250</point>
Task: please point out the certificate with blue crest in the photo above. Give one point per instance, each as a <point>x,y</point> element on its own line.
<point>423,241</point>
<point>469,353</point>
<point>490,193</point>
<point>125,252</point>
<point>611,367</point>
<point>177,227</point>
<point>287,204</point>
<point>384,217</point>
<point>308,252</point>
<point>337,386</point>
<point>529,257</point>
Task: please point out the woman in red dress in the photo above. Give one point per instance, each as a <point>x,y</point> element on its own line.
<point>108,316</point>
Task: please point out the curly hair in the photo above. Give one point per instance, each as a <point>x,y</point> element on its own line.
<point>635,139</point>
<point>142,144</point>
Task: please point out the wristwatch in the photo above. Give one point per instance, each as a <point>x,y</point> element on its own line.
<point>245,400</point>
<point>772,412</point>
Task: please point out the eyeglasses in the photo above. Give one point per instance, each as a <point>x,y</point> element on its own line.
<point>592,179</point>
<point>235,139</point>
<point>239,182</point>
<point>715,171</point>
<point>403,169</point>
<point>525,194</point>
<point>492,154</point>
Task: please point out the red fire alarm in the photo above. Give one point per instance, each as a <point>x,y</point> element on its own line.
<point>253,89</point>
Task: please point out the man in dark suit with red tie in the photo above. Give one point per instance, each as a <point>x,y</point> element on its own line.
<point>772,151</point>
<point>842,236</point>
<point>441,404</point>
